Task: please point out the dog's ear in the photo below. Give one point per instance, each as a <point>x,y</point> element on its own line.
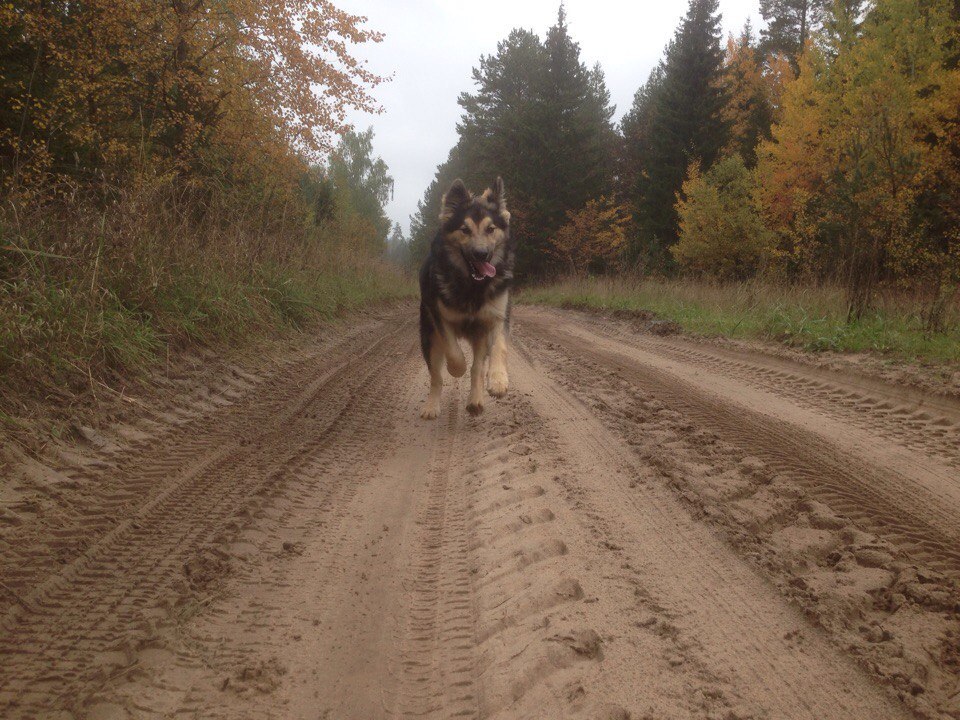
<point>454,199</point>
<point>497,197</point>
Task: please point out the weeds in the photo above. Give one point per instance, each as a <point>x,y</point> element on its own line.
<point>89,292</point>
<point>809,317</point>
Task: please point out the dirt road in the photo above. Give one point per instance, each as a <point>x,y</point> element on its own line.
<point>646,527</point>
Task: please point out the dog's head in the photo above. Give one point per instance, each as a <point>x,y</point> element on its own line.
<point>475,229</point>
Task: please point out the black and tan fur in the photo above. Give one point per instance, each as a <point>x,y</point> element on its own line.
<point>456,303</point>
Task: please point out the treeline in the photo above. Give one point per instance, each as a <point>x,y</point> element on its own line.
<point>213,104</point>
<point>175,169</point>
<point>825,148</point>
<point>543,120</point>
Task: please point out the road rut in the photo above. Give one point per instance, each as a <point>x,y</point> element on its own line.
<point>645,527</point>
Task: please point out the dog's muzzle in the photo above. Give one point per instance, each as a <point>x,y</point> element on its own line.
<point>480,265</point>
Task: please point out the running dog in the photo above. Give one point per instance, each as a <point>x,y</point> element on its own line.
<point>465,293</point>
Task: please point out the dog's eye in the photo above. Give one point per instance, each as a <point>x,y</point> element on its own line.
<point>465,230</point>
<point>490,229</point>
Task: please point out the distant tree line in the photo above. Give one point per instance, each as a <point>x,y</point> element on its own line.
<point>825,147</point>
<point>543,120</point>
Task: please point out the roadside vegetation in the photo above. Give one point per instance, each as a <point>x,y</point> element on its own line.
<point>170,175</point>
<point>800,183</point>
<point>806,317</point>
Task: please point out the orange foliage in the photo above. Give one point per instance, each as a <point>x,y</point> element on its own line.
<point>121,84</point>
<point>776,76</point>
<point>594,234</point>
<point>747,104</point>
<point>792,169</point>
<point>859,179</point>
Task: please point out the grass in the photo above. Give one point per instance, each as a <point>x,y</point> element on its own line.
<point>812,318</point>
<point>54,331</point>
<point>87,296</point>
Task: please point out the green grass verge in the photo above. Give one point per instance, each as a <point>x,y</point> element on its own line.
<point>812,318</point>
<point>61,332</point>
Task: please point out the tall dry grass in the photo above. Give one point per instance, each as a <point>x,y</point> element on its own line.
<point>91,287</point>
<point>808,316</point>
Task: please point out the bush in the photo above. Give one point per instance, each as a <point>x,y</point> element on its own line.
<point>90,290</point>
<point>721,233</point>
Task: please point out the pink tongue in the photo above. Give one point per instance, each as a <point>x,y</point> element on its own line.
<point>487,269</point>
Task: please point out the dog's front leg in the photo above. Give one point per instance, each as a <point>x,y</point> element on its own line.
<point>434,354</point>
<point>498,380</point>
<point>456,362</point>
<point>480,349</point>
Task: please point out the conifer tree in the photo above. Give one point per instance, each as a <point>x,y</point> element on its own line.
<point>685,124</point>
<point>635,132</point>
<point>541,119</point>
<point>789,26</point>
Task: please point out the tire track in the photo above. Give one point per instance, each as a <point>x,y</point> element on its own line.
<point>303,549</point>
<point>244,655</point>
<point>910,418</point>
<point>873,591</point>
<point>437,666</point>
<point>91,613</point>
<point>733,635</point>
<point>881,500</point>
<point>87,494</point>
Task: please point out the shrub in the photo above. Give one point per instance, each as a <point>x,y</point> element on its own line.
<point>721,233</point>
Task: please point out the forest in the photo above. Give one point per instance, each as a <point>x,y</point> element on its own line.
<point>823,149</point>
<point>184,171</point>
<point>178,172</point>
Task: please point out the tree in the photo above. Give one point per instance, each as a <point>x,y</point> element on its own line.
<point>790,24</point>
<point>749,108</point>
<point>214,88</point>
<point>856,176</point>
<point>398,247</point>
<point>793,170</point>
<point>542,120</point>
<point>593,238</point>
<point>900,97</point>
<point>576,125</point>
<point>363,183</point>
<point>721,232</point>
<point>636,137</point>
<point>685,123</point>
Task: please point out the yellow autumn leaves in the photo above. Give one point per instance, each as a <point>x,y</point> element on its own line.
<point>861,178</point>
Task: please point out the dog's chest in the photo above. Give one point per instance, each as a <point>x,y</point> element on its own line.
<point>467,323</point>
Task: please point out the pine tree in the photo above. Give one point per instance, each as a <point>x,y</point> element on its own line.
<point>636,134</point>
<point>541,119</point>
<point>577,121</point>
<point>790,24</point>
<point>685,124</point>
<point>424,223</point>
<point>398,247</point>
<point>496,134</point>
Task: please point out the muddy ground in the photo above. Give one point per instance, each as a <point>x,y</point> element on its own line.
<point>645,527</point>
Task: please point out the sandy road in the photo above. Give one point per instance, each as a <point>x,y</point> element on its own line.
<point>645,527</point>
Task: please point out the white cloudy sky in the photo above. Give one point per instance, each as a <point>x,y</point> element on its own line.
<point>432,45</point>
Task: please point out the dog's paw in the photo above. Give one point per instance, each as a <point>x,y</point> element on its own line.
<point>431,411</point>
<point>498,384</point>
<point>475,408</point>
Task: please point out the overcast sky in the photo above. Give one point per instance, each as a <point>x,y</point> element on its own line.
<point>432,45</point>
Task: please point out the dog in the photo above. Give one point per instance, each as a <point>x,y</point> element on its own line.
<point>465,293</point>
